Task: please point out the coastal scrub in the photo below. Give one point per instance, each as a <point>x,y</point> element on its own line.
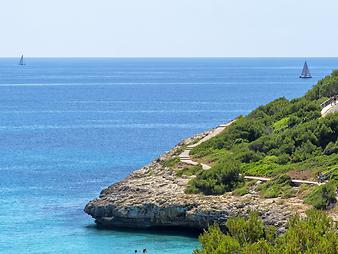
<point>223,177</point>
<point>316,233</point>
<point>283,137</point>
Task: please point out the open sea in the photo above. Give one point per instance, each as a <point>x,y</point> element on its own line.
<point>69,127</point>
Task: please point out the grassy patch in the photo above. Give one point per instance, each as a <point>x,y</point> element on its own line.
<point>170,162</point>
<point>281,124</point>
<point>334,176</point>
<point>265,167</point>
<point>212,156</point>
<point>269,166</point>
<point>322,197</point>
<point>241,191</point>
<point>280,186</point>
<point>304,190</point>
<point>190,171</point>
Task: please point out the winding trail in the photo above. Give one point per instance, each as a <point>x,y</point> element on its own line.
<point>185,156</point>
<point>329,109</point>
<point>330,105</point>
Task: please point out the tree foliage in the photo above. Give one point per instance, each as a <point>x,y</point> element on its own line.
<point>316,233</point>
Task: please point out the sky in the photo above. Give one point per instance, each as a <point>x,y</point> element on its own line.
<point>168,28</point>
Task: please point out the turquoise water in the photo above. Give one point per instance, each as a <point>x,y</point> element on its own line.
<point>69,127</point>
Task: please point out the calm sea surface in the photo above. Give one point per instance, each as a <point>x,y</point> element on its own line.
<point>69,127</point>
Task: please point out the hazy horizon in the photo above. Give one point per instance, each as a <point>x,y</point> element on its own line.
<point>169,57</point>
<point>175,28</point>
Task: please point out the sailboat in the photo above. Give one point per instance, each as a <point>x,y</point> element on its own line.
<point>21,62</point>
<point>306,72</point>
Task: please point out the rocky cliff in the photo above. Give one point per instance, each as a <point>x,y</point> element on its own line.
<point>153,196</point>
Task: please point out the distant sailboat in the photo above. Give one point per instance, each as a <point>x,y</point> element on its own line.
<point>306,72</point>
<point>21,62</point>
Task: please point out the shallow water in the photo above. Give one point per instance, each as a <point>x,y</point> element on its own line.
<point>69,127</point>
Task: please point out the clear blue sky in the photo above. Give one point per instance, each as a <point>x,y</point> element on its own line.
<point>154,28</point>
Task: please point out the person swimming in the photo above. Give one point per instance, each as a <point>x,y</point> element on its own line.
<point>144,251</point>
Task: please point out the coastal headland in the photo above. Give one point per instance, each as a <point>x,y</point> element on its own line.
<point>280,160</point>
<point>154,196</point>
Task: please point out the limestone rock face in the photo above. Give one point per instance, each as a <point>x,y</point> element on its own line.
<point>153,196</point>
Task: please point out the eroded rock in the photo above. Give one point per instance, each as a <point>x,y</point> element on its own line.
<point>153,196</point>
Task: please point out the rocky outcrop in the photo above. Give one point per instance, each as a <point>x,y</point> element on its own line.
<point>154,197</point>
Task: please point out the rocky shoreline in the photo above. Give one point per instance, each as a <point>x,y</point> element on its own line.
<point>153,196</point>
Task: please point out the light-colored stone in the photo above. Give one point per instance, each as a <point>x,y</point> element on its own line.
<point>153,196</point>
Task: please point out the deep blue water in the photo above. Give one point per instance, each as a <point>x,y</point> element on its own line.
<point>69,127</point>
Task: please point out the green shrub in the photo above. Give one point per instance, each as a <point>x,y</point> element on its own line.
<point>214,241</point>
<point>191,189</point>
<point>248,230</point>
<point>241,191</point>
<point>334,176</point>
<point>331,148</point>
<point>170,162</point>
<point>280,186</point>
<point>326,87</point>
<point>266,167</point>
<point>223,177</point>
<point>281,124</point>
<point>283,159</point>
<point>323,196</point>
<point>316,233</point>
<point>190,171</point>
<point>241,233</point>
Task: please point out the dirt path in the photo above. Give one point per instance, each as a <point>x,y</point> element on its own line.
<point>331,108</point>
<point>185,156</point>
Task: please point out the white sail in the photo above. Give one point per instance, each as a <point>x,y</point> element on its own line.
<point>306,72</point>
<point>21,61</point>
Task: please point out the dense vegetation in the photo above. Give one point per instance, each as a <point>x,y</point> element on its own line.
<point>281,137</point>
<point>279,186</point>
<point>322,197</point>
<point>325,87</point>
<point>316,233</point>
<point>221,178</point>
